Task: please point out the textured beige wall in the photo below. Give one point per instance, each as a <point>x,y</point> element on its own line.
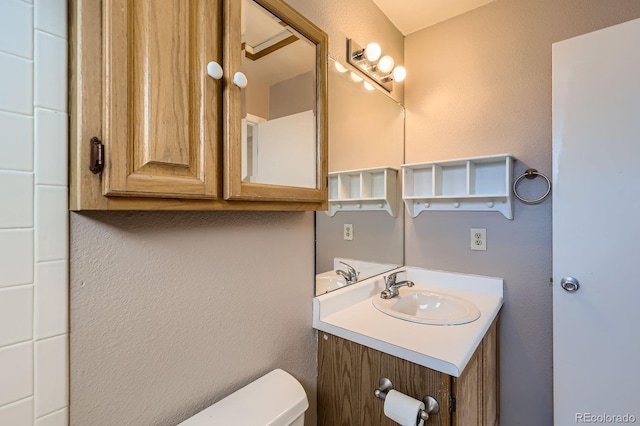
<point>173,311</point>
<point>480,84</point>
<point>366,128</point>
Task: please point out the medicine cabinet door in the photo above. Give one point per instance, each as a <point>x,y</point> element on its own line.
<point>275,98</point>
<point>161,110</point>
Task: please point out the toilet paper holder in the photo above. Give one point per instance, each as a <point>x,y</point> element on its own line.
<point>431,406</point>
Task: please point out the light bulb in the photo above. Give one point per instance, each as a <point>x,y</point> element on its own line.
<point>368,86</point>
<point>340,68</point>
<point>399,73</point>
<point>372,52</point>
<point>355,77</point>
<point>386,64</point>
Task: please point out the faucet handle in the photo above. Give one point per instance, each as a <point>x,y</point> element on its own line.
<point>390,279</point>
<point>352,271</point>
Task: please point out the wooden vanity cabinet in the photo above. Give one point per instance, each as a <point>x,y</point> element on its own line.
<point>141,102</point>
<point>348,374</point>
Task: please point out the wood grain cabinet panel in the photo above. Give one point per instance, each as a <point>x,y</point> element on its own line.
<point>348,374</point>
<point>161,130</point>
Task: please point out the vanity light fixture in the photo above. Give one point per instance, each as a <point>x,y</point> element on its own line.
<point>372,52</point>
<point>355,77</point>
<point>340,68</point>
<point>381,69</point>
<point>386,64</point>
<point>399,73</point>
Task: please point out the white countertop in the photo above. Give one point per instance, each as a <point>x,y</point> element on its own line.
<point>349,313</point>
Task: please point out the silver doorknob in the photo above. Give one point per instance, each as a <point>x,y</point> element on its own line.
<point>570,284</point>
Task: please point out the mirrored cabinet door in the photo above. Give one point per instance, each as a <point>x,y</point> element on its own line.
<point>275,104</point>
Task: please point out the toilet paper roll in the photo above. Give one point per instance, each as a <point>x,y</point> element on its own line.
<point>403,409</point>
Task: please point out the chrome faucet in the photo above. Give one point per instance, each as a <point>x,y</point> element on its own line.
<point>392,286</point>
<point>351,276</point>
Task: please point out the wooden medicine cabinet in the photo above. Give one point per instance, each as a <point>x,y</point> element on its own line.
<point>197,105</point>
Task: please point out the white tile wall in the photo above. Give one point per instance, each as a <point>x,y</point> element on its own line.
<point>16,314</point>
<point>16,28</point>
<point>51,149</point>
<point>16,372</point>
<point>51,381</point>
<point>16,84</point>
<point>16,149</point>
<point>50,71</point>
<point>16,199</point>
<point>34,278</point>
<point>17,414</point>
<point>16,256</point>
<point>59,418</point>
<point>51,299</point>
<point>52,223</point>
<point>51,17</point>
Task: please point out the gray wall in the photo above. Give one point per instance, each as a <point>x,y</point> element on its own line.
<point>172,311</point>
<point>480,84</point>
<point>377,237</point>
<point>297,94</point>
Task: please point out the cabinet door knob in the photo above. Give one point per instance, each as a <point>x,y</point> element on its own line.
<point>240,80</point>
<point>214,70</point>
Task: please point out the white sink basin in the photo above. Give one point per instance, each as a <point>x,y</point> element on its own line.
<point>350,313</point>
<point>428,308</point>
<point>328,281</point>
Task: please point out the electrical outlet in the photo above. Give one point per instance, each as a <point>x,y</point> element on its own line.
<point>348,231</point>
<point>478,239</point>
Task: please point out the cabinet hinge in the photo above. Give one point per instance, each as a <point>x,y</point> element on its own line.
<point>96,164</point>
<point>452,403</point>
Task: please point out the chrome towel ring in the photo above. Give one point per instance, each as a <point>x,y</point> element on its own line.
<point>531,174</point>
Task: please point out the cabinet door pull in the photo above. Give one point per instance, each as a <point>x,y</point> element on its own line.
<point>214,70</point>
<point>240,80</point>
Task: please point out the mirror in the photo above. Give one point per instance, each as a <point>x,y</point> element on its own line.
<point>279,124</point>
<point>366,130</point>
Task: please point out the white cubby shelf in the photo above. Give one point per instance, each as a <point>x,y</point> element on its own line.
<point>466,184</point>
<point>363,190</point>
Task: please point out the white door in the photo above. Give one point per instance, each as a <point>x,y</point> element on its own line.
<point>596,226</point>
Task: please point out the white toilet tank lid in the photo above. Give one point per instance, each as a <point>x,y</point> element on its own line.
<point>275,399</point>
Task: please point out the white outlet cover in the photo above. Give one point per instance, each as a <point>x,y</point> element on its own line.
<point>478,239</point>
<point>348,232</point>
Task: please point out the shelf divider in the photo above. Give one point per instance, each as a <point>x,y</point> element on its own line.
<point>377,191</point>
<point>487,185</point>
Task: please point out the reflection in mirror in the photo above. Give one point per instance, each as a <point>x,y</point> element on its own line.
<point>279,103</point>
<point>366,130</point>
